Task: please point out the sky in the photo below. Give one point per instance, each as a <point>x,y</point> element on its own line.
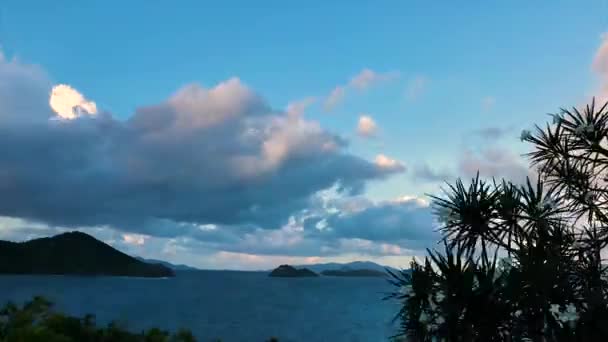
<point>236,135</point>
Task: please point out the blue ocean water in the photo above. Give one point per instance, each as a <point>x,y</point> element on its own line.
<point>233,306</point>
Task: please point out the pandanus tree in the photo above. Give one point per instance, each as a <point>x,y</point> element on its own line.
<point>520,261</point>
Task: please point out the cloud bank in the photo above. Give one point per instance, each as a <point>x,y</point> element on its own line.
<point>209,168</point>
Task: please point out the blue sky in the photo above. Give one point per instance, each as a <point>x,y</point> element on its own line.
<point>432,77</point>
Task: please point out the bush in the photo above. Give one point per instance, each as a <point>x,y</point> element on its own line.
<point>549,283</point>
<point>36,321</point>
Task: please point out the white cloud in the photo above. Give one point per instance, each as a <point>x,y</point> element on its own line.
<point>391,249</point>
<point>225,142</point>
<point>422,202</point>
<point>367,126</point>
<point>68,103</point>
<point>197,107</point>
<point>148,173</point>
<point>134,239</point>
<point>388,163</point>
<point>361,81</point>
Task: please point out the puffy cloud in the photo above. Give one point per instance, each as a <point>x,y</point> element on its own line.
<point>361,81</point>
<point>366,126</point>
<point>210,172</point>
<point>216,155</point>
<point>68,103</point>
<point>134,239</point>
<point>387,163</point>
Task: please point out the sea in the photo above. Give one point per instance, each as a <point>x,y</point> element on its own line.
<point>225,305</point>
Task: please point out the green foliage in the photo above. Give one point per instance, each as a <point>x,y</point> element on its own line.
<point>36,321</point>
<point>551,284</point>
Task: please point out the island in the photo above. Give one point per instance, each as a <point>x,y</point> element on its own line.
<point>354,273</point>
<point>174,267</point>
<point>73,253</point>
<point>292,272</point>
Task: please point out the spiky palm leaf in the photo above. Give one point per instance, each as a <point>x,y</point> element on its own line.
<point>468,215</point>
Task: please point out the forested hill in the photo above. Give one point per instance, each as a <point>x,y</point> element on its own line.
<point>74,253</point>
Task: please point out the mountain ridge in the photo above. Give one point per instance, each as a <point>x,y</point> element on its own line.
<point>354,265</point>
<point>175,267</point>
<point>73,253</point>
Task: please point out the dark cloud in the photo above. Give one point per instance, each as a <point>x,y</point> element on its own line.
<point>208,171</point>
<point>24,91</point>
<point>205,156</point>
<point>358,226</point>
<point>379,228</point>
<point>404,223</point>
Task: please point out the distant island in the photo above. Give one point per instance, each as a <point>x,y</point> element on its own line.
<point>292,272</point>
<point>354,273</point>
<point>295,272</point>
<point>73,253</point>
<point>174,267</point>
<point>354,265</point>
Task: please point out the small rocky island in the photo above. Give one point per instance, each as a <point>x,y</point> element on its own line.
<point>346,272</point>
<point>292,272</point>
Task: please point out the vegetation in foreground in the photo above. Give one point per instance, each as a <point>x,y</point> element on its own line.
<point>550,284</point>
<point>36,321</point>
